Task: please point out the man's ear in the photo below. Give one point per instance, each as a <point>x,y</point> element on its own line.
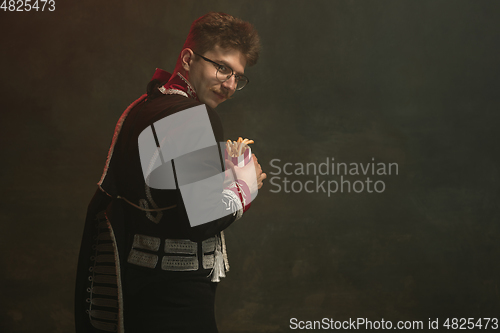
<point>186,58</point>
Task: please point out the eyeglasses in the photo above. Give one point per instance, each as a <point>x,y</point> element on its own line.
<point>224,73</point>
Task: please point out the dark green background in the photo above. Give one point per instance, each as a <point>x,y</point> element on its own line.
<point>410,82</point>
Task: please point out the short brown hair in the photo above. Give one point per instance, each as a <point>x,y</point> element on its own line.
<point>226,31</point>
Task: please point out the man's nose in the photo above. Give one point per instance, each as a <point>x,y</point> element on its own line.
<point>230,84</point>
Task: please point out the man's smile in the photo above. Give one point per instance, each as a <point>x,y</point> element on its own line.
<point>219,94</point>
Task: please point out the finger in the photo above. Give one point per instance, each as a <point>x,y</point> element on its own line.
<point>258,170</point>
<point>260,183</point>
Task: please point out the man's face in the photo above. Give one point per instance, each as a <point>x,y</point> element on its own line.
<point>202,75</point>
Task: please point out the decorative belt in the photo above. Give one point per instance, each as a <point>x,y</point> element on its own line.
<point>177,254</point>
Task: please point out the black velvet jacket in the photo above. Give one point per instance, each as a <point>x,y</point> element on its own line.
<point>123,177</point>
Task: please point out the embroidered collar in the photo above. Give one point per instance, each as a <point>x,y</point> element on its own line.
<point>178,85</point>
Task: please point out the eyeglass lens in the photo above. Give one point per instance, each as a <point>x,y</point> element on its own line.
<point>225,73</point>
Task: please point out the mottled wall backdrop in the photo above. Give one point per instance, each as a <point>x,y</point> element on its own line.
<point>367,82</point>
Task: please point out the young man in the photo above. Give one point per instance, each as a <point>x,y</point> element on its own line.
<point>143,267</point>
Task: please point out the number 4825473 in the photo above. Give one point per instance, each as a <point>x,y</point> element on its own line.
<point>28,5</point>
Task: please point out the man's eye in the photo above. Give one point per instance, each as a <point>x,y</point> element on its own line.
<point>224,70</point>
